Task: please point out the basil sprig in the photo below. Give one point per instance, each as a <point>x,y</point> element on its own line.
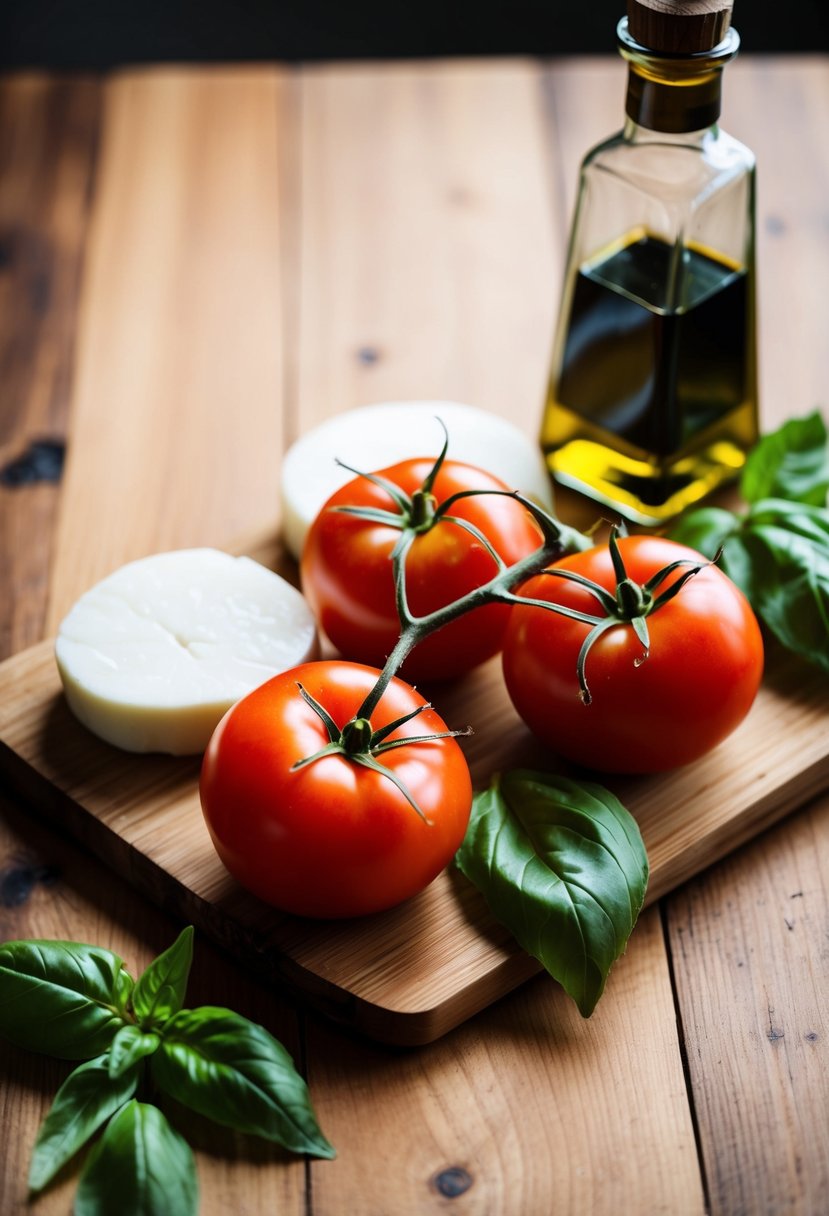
<point>777,551</point>
<point>78,1002</point>
<point>562,865</point>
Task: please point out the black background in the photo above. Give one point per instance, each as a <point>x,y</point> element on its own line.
<point>98,34</point>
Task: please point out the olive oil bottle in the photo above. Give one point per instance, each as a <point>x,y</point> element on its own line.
<point>652,399</point>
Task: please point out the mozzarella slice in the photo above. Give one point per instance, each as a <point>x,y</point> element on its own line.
<point>153,656</point>
<point>374,436</point>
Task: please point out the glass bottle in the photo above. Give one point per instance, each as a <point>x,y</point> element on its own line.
<point>652,399</point>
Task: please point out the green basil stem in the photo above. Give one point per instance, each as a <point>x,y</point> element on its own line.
<point>558,539</point>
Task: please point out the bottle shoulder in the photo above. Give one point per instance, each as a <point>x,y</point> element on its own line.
<point>654,161</point>
<point>636,143</point>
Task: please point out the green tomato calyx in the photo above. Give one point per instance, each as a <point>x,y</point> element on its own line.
<point>411,514</point>
<point>631,604</point>
<point>359,742</point>
<point>419,512</point>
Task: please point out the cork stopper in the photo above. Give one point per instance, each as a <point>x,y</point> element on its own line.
<point>679,27</point>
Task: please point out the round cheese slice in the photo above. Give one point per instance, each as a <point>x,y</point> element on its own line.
<point>375,436</point>
<point>153,656</point>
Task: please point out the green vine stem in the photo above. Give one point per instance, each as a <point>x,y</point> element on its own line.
<point>357,740</point>
<point>413,515</point>
<point>557,540</point>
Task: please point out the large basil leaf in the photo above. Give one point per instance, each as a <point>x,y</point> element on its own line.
<point>791,462</point>
<point>62,998</point>
<point>563,866</point>
<point>159,992</point>
<point>780,559</point>
<point>139,1167</point>
<point>87,1098</point>
<point>236,1073</point>
<point>778,551</point>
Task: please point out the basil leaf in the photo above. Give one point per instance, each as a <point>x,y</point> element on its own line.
<point>791,462</point>
<point>705,530</point>
<point>62,998</point>
<point>159,992</point>
<point>87,1098</point>
<point>139,1167</point>
<point>124,984</point>
<point>236,1073</point>
<point>563,866</point>
<point>130,1045</point>
<point>780,559</point>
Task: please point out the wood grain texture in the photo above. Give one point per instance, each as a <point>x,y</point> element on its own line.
<point>428,264</point>
<point>792,235</point>
<point>49,888</point>
<point>48,137</point>
<point>748,938</point>
<point>177,401</point>
<point>526,1110</point>
<point>48,140</point>
<point>682,27</point>
<point>758,1027</point>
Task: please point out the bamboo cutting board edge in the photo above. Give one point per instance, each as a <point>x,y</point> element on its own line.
<point>457,977</point>
<point>404,1027</point>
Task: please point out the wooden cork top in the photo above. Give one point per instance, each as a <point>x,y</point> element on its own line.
<point>679,27</point>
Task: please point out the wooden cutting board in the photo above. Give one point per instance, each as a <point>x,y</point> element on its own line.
<point>408,975</point>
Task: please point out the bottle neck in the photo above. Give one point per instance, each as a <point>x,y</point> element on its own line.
<point>674,94</point>
<point>659,106</point>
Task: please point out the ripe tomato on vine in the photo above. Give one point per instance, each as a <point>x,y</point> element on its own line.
<point>450,540</point>
<point>643,657</point>
<point>323,812</point>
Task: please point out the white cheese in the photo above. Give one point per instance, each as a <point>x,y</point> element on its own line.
<point>376,436</point>
<point>153,656</point>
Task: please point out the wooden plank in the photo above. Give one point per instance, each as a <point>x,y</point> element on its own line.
<point>48,888</point>
<point>526,1109</point>
<point>429,265</point>
<point>48,139</point>
<point>176,427</point>
<point>749,953</point>
<point>748,938</point>
<point>792,237</point>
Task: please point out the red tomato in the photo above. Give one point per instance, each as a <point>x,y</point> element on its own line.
<point>347,570</point>
<point>331,839</point>
<point>696,685</point>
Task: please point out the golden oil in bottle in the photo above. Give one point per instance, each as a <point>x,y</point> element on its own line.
<point>654,401</point>
<point>652,398</point>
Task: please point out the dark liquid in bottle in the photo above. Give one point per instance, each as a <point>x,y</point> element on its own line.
<point>657,353</point>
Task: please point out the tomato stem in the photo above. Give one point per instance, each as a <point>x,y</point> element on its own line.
<point>557,538</point>
<point>356,736</point>
<point>631,605</point>
<point>359,742</point>
<point>422,511</point>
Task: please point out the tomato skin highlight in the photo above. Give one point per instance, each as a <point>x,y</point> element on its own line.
<point>332,839</point>
<point>346,569</point>
<point>695,687</point>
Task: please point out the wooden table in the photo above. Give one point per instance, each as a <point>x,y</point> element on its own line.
<point>196,266</point>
